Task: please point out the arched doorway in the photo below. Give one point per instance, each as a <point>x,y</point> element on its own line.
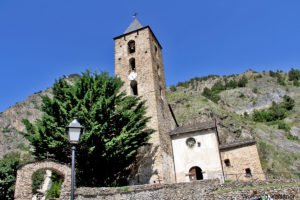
<point>195,173</point>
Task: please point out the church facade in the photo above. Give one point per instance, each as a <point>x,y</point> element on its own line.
<point>173,153</point>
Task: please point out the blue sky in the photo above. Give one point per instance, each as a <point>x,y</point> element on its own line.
<point>42,40</point>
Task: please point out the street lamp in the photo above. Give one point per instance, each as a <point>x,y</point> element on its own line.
<point>74,130</point>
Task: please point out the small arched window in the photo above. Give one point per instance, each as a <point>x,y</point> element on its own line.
<point>134,87</point>
<point>248,172</point>
<point>132,64</point>
<point>131,46</point>
<point>227,162</point>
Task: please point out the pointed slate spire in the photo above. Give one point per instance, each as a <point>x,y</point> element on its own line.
<point>135,25</point>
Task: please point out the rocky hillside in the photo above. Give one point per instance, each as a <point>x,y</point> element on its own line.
<point>11,126</point>
<point>232,100</point>
<point>236,101</point>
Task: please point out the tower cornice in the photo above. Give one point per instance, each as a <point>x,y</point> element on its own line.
<point>145,27</point>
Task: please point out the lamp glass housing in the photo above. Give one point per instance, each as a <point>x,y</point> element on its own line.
<point>74,134</point>
<point>74,131</point>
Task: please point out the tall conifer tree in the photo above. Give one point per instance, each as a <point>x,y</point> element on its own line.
<point>115,127</point>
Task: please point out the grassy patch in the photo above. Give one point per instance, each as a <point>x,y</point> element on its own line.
<point>273,158</point>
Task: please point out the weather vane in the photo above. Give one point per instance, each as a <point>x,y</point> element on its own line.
<point>135,15</point>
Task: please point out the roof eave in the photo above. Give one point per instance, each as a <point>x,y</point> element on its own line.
<point>120,36</point>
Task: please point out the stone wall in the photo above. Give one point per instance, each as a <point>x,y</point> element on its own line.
<point>23,190</point>
<point>184,191</point>
<point>240,158</point>
<point>276,189</point>
<point>197,190</point>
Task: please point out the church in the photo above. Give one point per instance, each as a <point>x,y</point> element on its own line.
<point>175,153</point>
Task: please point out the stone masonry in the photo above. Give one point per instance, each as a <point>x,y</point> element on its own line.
<point>197,190</point>
<point>23,190</point>
<point>241,156</point>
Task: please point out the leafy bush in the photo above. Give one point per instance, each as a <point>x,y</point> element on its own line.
<point>284,126</point>
<point>199,79</point>
<point>242,95</point>
<point>183,84</point>
<point>213,93</point>
<point>37,180</point>
<point>275,112</point>
<point>280,79</point>
<point>291,137</point>
<point>288,103</point>
<point>294,74</point>
<point>231,84</point>
<point>243,81</point>
<point>8,170</point>
<point>255,90</point>
<point>278,75</point>
<point>296,83</point>
<point>173,88</point>
<point>210,94</point>
<point>258,76</point>
<point>54,190</point>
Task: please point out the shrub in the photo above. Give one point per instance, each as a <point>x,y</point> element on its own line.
<point>8,170</point>
<point>243,81</point>
<point>275,112</point>
<point>255,90</point>
<point>54,190</point>
<point>218,87</point>
<point>288,103</point>
<point>294,74</point>
<point>241,95</point>
<point>173,88</point>
<point>280,79</point>
<point>37,180</point>
<point>284,126</point>
<point>231,84</point>
<point>296,83</point>
<point>210,94</point>
<point>183,84</point>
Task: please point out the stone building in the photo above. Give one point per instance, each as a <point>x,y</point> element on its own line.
<point>173,154</point>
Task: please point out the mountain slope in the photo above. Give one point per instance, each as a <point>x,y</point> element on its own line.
<point>279,149</point>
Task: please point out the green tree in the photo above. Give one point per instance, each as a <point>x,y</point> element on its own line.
<point>210,94</point>
<point>8,170</point>
<point>294,74</point>
<point>242,81</point>
<point>173,88</point>
<point>231,84</point>
<point>115,127</point>
<point>288,103</point>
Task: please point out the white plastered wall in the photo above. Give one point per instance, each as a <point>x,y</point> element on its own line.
<point>206,156</point>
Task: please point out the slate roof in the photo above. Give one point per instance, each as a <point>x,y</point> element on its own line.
<point>236,145</point>
<point>135,25</point>
<point>194,127</point>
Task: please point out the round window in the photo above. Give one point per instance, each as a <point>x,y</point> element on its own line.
<point>190,142</point>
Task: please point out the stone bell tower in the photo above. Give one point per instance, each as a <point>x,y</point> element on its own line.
<point>138,62</point>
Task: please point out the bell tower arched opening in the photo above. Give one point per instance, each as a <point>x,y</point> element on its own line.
<point>131,46</point>
<point>132,65</point>
<point>134,87</point>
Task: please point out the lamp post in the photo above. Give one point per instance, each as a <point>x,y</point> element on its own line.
<point>74,130</point>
